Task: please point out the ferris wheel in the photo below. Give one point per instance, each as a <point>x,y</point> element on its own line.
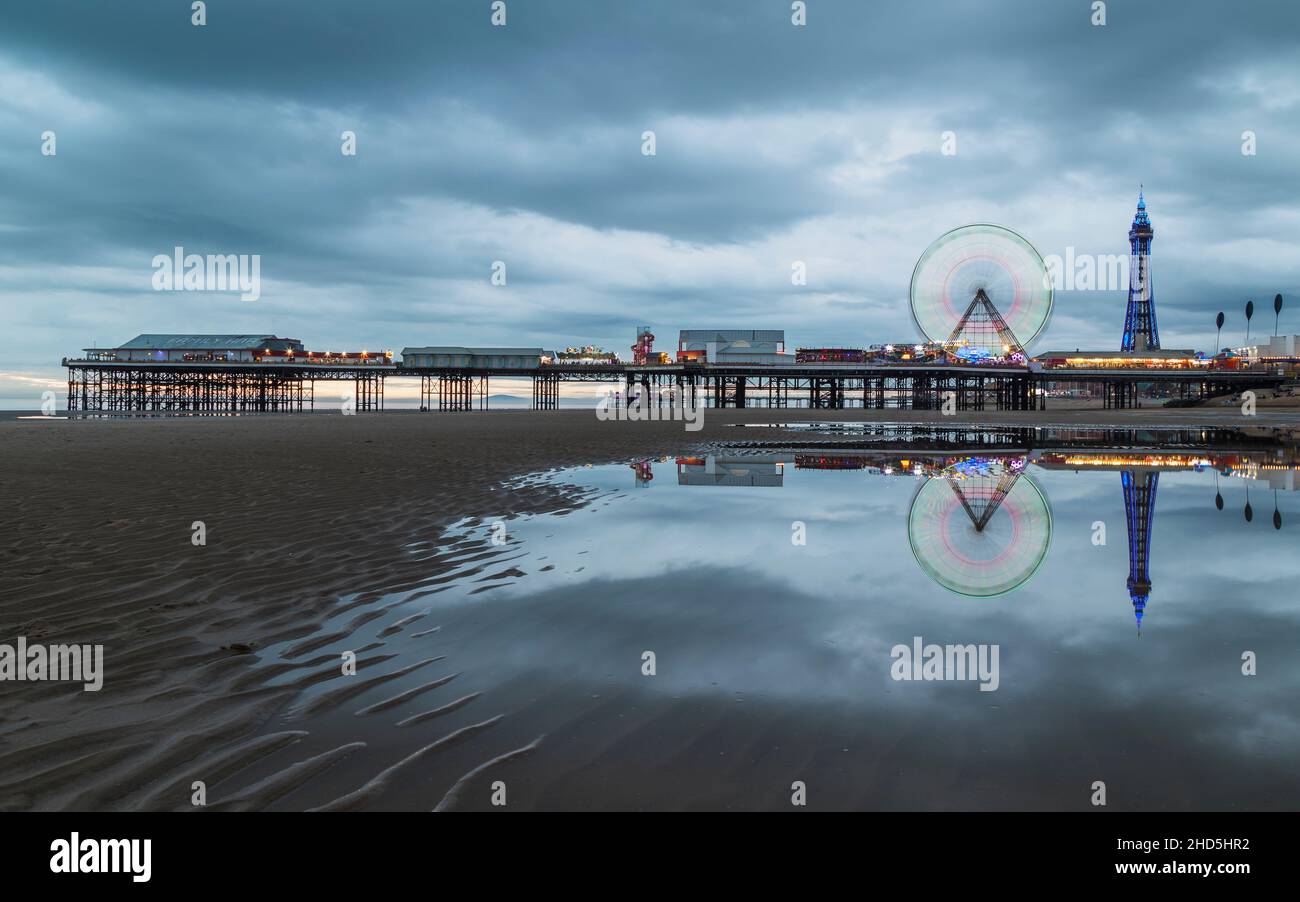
<point>981,527</point>
<point>984,287</point>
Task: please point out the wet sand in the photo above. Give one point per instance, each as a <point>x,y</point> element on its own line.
<point>313,523</point>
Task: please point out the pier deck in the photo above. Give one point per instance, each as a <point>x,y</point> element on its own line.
<point>288,385</point>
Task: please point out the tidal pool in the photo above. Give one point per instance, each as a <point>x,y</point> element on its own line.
<point>713,631</point>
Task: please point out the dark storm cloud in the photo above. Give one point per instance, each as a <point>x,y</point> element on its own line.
<point>522,143</point>
<point>608,59</point>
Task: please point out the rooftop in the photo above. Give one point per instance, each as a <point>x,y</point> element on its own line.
<point>181,342</point>
<point>476,352</point>
<point>1160,354</point>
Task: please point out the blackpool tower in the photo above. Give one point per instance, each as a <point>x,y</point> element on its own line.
<point>1140,514</point>
<point>1140,332</point>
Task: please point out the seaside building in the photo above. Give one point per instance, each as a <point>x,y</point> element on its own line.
<point>150,348</point>
<point>830,355</point>
<point>587,354</point>
<point>1283,350</point>
<point>1148,359</point>
<point>1140,330</point>
<point>453,357</point>
<point>219,374</point>
<point>1283,347</point>
<point>734,346</point>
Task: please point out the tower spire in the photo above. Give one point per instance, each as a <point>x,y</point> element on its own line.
<point>1140,330</point>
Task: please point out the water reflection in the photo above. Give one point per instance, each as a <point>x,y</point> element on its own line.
<point>751,470</point>
<point>1139,513</point>
<point>978,524</point>
<point>774,653</point>
<point>980,527</point>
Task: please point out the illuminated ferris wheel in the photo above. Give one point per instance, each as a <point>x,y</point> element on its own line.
<point>981,287</point>
<point>981,527</point>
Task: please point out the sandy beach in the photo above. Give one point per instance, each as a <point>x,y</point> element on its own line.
<point>311,522</point>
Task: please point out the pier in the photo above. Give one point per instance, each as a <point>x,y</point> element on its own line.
<point>189,387</point>
<point>222,374</point>
<point>115,386</point>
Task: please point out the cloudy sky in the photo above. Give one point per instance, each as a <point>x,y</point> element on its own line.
<point>523,143</point>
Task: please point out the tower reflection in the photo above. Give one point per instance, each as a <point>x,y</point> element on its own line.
<point>1139,514</point>
<point>978,524</point>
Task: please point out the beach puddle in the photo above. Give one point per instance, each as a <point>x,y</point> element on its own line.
<point>704,631</point>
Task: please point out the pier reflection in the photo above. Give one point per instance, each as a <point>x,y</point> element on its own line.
<point>978,524</point>
<point>748,470</point>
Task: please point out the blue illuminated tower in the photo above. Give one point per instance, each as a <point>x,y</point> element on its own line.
<point>1140,513</point>
<point>1140,332</point>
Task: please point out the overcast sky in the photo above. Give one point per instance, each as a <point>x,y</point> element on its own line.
<point>523,143</point>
